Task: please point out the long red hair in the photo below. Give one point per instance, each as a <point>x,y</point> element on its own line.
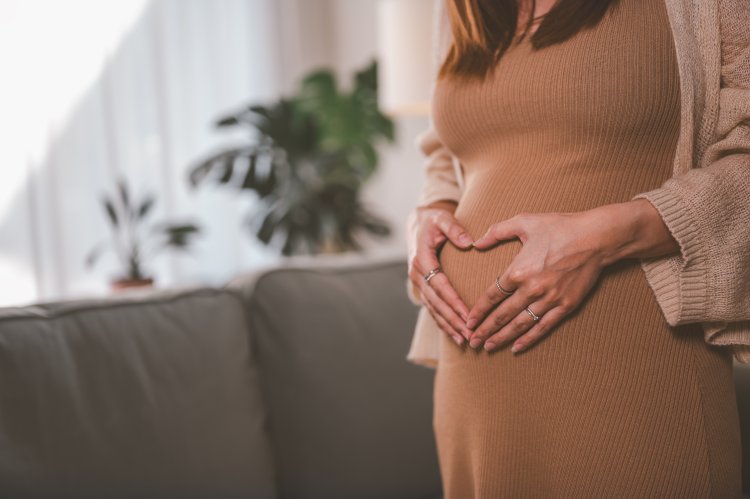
<point>482,30</point>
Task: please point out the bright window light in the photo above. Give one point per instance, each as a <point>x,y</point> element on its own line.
<point>51,51</point>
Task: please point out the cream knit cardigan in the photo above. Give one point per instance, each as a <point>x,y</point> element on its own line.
<point>705,204</point>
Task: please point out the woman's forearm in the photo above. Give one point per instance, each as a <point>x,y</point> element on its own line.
<point>634,229</point>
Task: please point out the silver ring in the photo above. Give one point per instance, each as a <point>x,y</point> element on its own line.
<point>532,314</point>
<point>502,290</point>
<point>432,274</point>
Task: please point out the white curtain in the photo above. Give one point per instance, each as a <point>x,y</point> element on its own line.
<point>98,90</point>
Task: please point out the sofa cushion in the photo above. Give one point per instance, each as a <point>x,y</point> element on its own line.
<point>145,396</point>
<point>349,415</point>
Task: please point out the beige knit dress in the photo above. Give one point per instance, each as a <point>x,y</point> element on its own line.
<point>613,402</point>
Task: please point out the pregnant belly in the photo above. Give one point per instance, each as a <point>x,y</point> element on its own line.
<point>472,271</point>
<point>619,313</point>
<point>566,188</point>
<point>487,201</point>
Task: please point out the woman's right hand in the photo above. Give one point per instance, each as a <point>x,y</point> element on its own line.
<point>432,225</point>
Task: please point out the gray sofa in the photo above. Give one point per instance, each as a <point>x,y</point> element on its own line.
<point>290,382</point>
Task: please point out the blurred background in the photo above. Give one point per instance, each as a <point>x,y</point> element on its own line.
<point>247,168</point>
<point>183,142</point>
<point>203,263</point>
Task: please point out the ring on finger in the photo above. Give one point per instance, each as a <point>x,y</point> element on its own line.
<point>514,332</point>
<point>429,275</point>
<point>500,288</point>
<point>532,314</point>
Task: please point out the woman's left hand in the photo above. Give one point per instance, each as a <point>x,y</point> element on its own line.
<point>560,261</point>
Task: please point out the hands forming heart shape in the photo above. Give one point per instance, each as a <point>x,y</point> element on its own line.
<point>562,256</point>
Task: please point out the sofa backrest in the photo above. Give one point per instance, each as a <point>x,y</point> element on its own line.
<point>152,396</point>
<point>349,415</point>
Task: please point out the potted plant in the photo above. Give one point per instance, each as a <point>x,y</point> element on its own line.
<point>306,161</point>
<point>132,241</point>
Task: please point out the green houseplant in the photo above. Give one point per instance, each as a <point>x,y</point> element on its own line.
<point>306,160</point>
<point>132,241</point>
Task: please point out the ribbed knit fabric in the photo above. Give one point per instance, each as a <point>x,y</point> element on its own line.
<point>706,202</point>
<point>614,402</point>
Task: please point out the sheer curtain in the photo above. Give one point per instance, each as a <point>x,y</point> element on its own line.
<point>126,88</point>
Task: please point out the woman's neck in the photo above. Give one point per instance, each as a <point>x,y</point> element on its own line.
<point>541,9</point>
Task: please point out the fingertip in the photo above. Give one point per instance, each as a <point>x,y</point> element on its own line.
<point>466,240</point>
<point>479,242</point>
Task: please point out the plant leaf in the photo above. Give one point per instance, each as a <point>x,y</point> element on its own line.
<point>228,166</point>
<point>146,206</point>
<point>217,162</point>
<point>95,253</point>
<point>111,212</point>
<point>179,235</point>
<point>124,195</point>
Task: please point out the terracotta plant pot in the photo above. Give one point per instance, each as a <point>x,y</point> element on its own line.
<point>121,284</point>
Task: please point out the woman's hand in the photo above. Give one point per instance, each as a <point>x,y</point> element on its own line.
<point>560,261</point>
<point>434,225</point>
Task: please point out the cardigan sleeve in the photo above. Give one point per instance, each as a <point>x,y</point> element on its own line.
<point>441,186</point>
<point>707,210</point>
<point>442,171</point>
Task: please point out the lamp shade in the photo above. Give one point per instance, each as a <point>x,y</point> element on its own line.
<point>405,56</point>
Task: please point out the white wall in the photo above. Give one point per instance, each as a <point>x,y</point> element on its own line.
<point>393,190</point>
<point>142,102</point>
<point>132,96</point>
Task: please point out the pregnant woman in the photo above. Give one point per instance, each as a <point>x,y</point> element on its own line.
<point>564,367</point>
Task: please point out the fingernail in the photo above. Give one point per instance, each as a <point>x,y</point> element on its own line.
<point>489,346</point>
<point>516,348</point>
<point>459,341</point>
<point>471,323</point>
<point>475,342</point>
<point>464,238</point>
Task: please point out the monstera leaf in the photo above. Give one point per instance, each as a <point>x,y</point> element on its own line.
<point>350,122</point>
<point>306,160</point>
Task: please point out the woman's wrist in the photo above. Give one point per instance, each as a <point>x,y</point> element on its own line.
<point>633,229</point>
